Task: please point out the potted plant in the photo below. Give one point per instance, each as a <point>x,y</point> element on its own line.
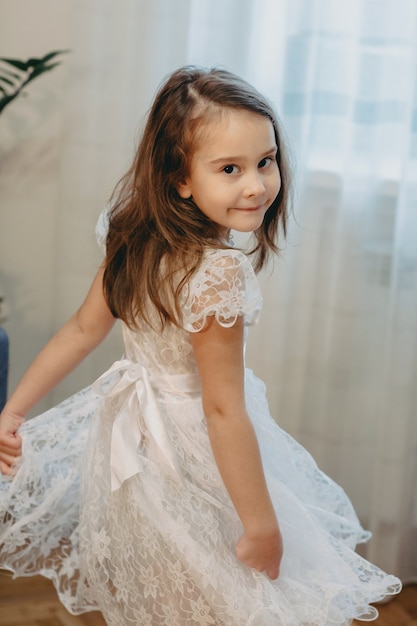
<point>16,74</point>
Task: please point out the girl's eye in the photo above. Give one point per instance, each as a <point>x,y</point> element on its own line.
<point>265,162</point>
<point>230,169</point>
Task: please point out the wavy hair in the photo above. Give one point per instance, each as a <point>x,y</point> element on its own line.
<point>154,235</point>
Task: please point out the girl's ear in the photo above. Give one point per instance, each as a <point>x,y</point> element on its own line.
<point>184,189</point>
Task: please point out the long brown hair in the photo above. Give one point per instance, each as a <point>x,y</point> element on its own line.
<point>154,235</point>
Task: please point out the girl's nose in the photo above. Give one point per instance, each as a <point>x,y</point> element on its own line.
<point>254,185</point>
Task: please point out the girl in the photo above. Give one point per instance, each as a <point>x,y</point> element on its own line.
<point>145,496</point>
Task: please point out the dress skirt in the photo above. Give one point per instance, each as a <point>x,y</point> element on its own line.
<point>160,549</point>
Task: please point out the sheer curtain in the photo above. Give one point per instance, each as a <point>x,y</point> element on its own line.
<point>337,343</point>
<point>341,339</point>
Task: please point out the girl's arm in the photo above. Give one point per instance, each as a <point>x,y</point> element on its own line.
<point>67,348</point>
<point>219,355</point>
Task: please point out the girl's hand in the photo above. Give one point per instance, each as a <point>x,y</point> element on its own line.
<point>10,441</point>
<point>262,552</point>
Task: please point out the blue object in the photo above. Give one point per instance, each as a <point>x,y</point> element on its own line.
<point>4,366</point>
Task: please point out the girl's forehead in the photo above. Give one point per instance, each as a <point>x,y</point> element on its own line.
<point>230,125</point>
<point>220,117</point>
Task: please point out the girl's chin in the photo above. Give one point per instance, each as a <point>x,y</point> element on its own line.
<point>250,227</point>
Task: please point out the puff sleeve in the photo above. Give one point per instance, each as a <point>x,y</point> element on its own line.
<point>224,286</point>
<point>102,227</point>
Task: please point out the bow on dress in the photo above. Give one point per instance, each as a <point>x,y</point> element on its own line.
<point>134,379</point>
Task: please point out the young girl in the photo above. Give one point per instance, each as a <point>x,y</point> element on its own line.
<point>165,493</point>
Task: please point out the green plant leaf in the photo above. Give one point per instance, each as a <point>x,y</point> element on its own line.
<point>51,55</point>
<point>32,68</point>
<point>40,70</point>
<point>6,72</point>
<point>35,62</point>
<point>6,80</point>
<point>32,62</point>
<point>21,65</point>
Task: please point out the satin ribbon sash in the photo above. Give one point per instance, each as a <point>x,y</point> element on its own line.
<point>134,380</point>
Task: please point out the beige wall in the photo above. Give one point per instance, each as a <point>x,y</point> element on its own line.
<point>62,148</point>
<point>64,145</point>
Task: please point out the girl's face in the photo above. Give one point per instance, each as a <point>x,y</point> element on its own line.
<point>234,175</point>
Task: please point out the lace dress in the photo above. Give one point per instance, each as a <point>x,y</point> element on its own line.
<point>119,502</point>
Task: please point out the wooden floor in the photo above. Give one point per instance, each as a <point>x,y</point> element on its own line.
<point>33,602</point>
<point>400,611</point>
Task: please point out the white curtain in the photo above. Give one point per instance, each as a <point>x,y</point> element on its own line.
<point>337,343</point>
<point>344,356</point>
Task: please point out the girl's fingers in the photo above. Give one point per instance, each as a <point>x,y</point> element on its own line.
<point>272,573</point>
<point>7,453</point>
<point>8,464</point>
<point>10,445</point>
<point>4,469</point>
<point>9,456</point>
<point>12,448</point>
<point>10,439</point>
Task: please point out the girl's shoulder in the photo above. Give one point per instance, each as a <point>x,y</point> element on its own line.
<point>224,286</point>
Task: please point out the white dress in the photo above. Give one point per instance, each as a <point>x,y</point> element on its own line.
<point>119,502</point>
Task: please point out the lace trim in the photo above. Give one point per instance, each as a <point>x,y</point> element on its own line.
<point>225,286</point>
<point>102,228</point>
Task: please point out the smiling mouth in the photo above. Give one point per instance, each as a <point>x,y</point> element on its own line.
<point>250,209</point>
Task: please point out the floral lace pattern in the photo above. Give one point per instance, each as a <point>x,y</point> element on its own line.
<point>224,287</point>
<point>102,228</point>
<point>158,552</point>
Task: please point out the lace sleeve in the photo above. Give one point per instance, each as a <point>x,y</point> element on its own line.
<point>225,286</point>
<point>102,227</point>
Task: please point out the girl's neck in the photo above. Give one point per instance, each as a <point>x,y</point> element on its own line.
<point>225,236</point>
